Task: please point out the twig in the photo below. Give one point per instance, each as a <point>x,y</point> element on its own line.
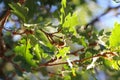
<point>74,53</point>
<point>104,13</point>
<point>3,20</point>
<point>81,60</point>
<point>21,1</point>
<point>26,31</point>
<point>2,43</point>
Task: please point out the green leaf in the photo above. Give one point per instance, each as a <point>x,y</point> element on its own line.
<point>71,21</point>
<point>67,77</point>
<point>115,36</point>
<point>101,32</point>
<point>20,50</point>
<point>83,42</point>
<point>111,63</point>
<point>37,51</point>
<point>19,10</point>
<point>62,52</point>
<point>63,3</point>
<point>24,51</point>
<point>17,58</point>
<point>31,5</point>
<point>27,53</point>
<point>62,10</point>
<point>23,63</point>
<point>73,72</point>
<point>108,33</point>
<point>43,39</point>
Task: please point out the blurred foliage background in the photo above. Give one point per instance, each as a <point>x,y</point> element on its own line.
<point>59,40</point>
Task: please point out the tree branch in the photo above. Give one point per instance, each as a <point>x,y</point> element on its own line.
<point>104,13</point>
<point>81,60</point>
<point>2,43</point>
<point>4,19</point>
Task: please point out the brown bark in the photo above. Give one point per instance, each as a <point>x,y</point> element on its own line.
<point>2,45</point>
